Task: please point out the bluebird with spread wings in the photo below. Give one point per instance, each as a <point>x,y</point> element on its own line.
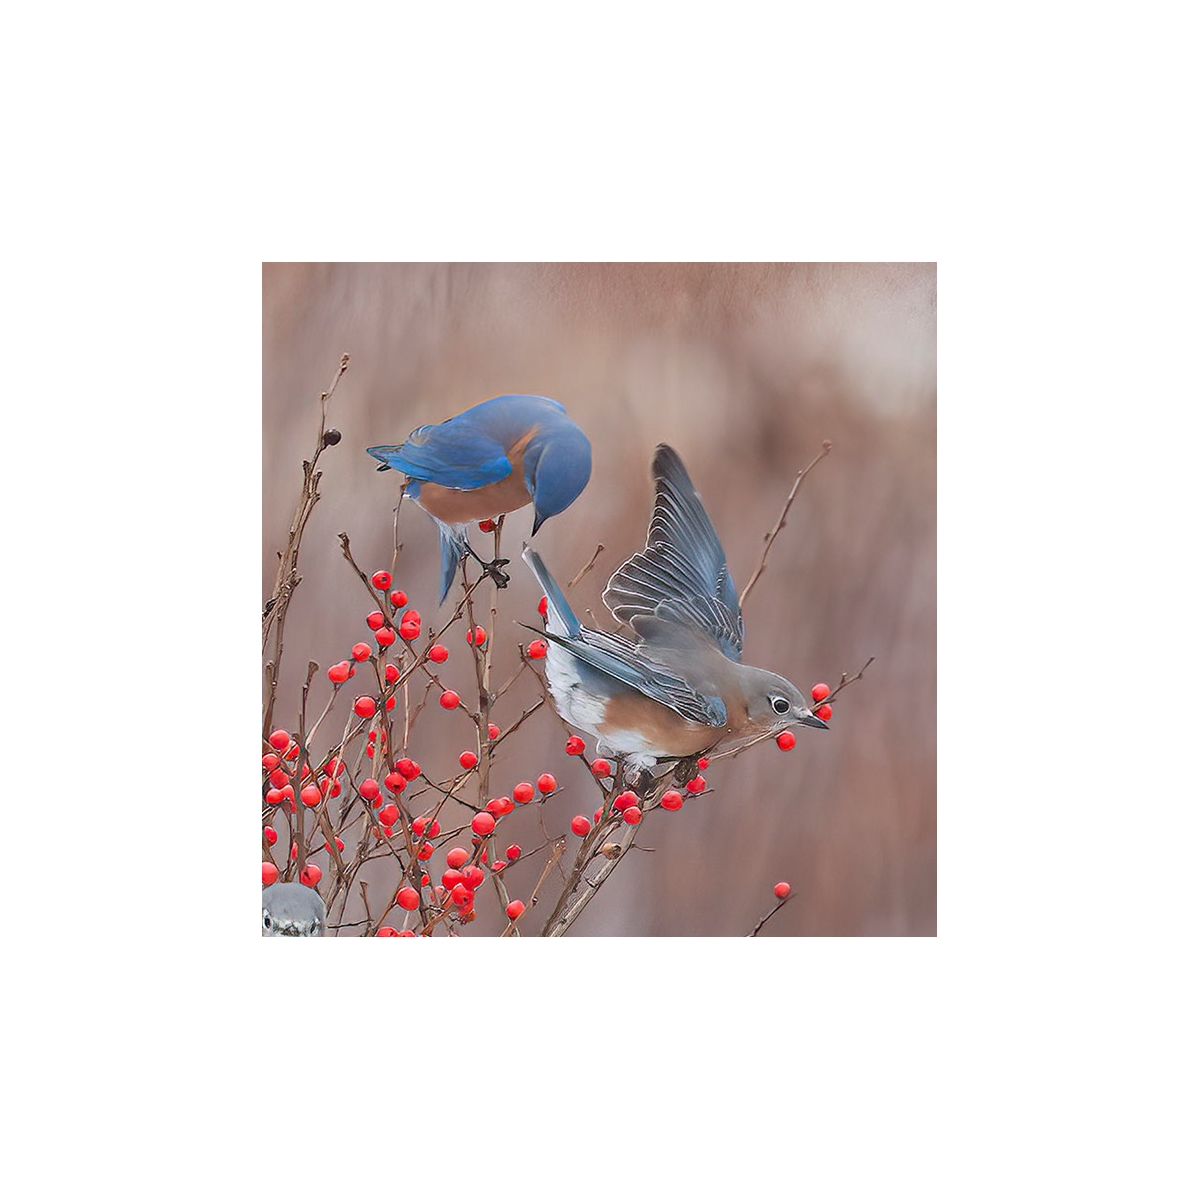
<point>678,687</point>
<point>492,459</point>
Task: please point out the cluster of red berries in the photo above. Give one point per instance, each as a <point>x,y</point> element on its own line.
<point>314,786</point>
<point>787,739</point>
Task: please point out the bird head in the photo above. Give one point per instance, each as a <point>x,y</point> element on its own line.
<point>774,703</point>
<point>558,465</point>
<point>292,910</point>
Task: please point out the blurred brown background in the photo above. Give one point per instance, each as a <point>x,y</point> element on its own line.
<point>744,369</point>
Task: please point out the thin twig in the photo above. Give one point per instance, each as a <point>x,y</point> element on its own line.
<point>825,448</point>
<point>584,570</point>
<point>754,931</point>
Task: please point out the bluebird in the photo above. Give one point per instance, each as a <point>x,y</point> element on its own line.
<point>292,910</point>
<point>493,458</point>
<point>678,686</point>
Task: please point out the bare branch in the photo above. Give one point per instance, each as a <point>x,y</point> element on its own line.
<point>825,448</point>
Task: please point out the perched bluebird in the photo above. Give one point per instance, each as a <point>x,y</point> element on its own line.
<point>493,458</point>
<point>679,687</point>
<point>292,910</point>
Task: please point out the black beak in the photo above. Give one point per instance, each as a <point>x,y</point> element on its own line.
<point>813,722</point>
<point>538,518</point>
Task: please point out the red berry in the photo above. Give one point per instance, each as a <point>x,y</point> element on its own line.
<point>292,852</point>
<point>697,785</point>
<point>274,796</point>
<point>786,740</point>
<point>418,826</point>
<point>409,898</point>
<point>270,874</point>
<point>461,895</point>
<point>543,605</point>
<point>389,814</point>
<point>825,712</point>
<point>513,852</point>
<point>483,823</point>
<point>310,796</point>
<point>601,768</point>
<point>424,880</point>
<point>632,815</point>
<point>672,801</point>
<point>376,620</point>
<point>369,789</point>
<point>339,672</point>
<point>364,706</point>
<point>783,890</point>
<point>280,739</point>
<point>468,760</point>
<point>391,672</point>
<point>387,931</point>
<point>473,877</point>
<point>537,649</point>
<point>523,793</point>
<point>575,745</point>
<point>278,777</point>
<point>450,877</point>
<point>820,691</point>
<point>382,580</point>
<point>493,731</point>
<point>398,598</point>
<point>487,526</point>
<point>426,851</point>
<point>434,829</point>
<point>410,630</point>
<point>624,801</point>
<point>408,768</point>
<point>385,637</point>
<point>580,826</point>
<point>546,783</point>
<point>514,910</point>
<point>702,763</point>
<point>271,836</point>
<point>499,865</point>
<point>476,636</point>
<point>449,700</point>
<point>310,876</point>
<point>394,782</point>
<point>438,653</point>
<point>501,806</point>
<point>597,815</point>
<point>407,933</point>
<point>340,845</point>
<point>360,652</point>
<point>456,857</point>
<point>270,761</point>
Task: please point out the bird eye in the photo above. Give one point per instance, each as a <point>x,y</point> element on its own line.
<point>781,704</point>
<point>266,920</point>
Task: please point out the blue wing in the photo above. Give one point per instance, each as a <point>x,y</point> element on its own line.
<point>621,659</point>
<point>681,577</point>
<point>455,454</point>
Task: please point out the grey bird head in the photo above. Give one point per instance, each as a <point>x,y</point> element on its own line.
<point>292,910</point>
<point>774,703</point>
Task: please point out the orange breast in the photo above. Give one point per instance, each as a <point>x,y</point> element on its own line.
<point>457,507</point>
<point>665,731</point>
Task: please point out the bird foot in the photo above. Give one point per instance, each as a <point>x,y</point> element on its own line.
<point>493,570</point>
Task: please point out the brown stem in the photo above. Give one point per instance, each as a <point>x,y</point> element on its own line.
<point>825,448</point>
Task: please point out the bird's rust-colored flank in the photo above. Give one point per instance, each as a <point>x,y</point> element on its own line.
<point>458,507</point>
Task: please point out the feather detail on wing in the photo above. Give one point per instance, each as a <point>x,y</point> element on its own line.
<point>681,577</point>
